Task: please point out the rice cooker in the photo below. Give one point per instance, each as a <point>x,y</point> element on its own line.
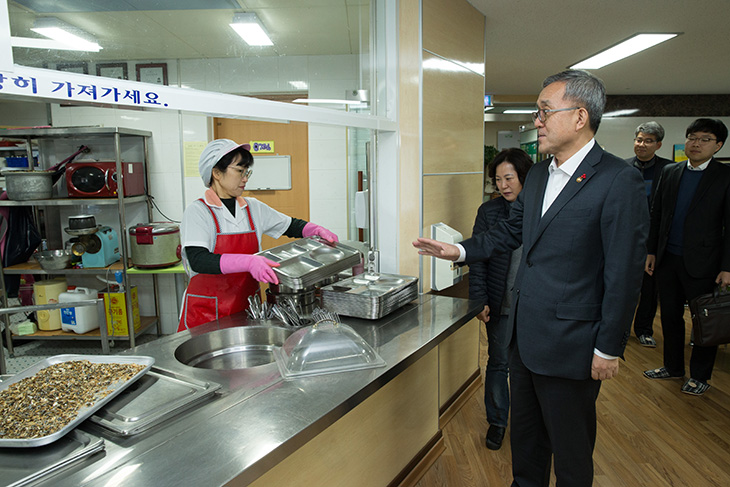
<point>155,244</point>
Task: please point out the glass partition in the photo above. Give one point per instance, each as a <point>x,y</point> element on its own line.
<point>319,51</point>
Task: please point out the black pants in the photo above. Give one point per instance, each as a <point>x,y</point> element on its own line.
<point>644,319</point>
<point>677,287</point>
<point>550,417</point>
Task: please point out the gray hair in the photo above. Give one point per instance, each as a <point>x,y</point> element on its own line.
<point>651,128</point>
<point>585,89</point>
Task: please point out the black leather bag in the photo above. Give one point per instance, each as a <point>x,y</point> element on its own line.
<point>711,319</point>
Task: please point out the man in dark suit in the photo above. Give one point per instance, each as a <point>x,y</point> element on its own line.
<point>689,246</point>
<point>582,219</point>
<point>647,140</point>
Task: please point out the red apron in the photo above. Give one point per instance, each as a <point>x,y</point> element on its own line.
<point>212,296</point>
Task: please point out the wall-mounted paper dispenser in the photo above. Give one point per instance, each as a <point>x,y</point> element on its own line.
<point>444,273</point>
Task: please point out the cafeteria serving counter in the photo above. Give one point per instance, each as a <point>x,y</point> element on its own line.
<point>353,428</point>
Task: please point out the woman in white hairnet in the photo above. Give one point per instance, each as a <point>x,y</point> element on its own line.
<point>220,233</point>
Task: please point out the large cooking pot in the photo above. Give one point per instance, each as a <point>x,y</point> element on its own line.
<point>29,185</point>
<point>155,244</point>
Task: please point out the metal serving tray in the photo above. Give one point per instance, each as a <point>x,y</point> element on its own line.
<point>84,412</point>
<point>307,261</point>
<point>369,296</point>
<point>46,460</point>
<point>156,397</point>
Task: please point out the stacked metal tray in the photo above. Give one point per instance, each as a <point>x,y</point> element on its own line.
<point>370,296</point>
<point>307,261</point>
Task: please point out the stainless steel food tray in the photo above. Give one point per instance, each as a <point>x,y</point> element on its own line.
<point>369,296</point>
<point>86,411</point>
<point>46,460</point>
<point>156,397</point>
<point>307,261</point>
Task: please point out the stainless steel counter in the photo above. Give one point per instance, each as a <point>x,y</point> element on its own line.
<point>257,419</point>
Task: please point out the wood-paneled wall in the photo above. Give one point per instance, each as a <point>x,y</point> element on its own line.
<point>453,116</point>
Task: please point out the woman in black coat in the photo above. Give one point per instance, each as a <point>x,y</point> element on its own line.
<point>491,283</point>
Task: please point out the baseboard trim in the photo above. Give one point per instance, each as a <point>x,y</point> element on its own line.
<point>421,463</point>
<point>452,406</point>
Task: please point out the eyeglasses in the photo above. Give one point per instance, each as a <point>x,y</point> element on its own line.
<point>701,140</point>
<point>639,140</point>
<point>542,114</point>
<point>243,173</point>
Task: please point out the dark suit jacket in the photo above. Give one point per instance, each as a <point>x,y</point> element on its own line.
<point>706,245</point>
<point>581,267</point>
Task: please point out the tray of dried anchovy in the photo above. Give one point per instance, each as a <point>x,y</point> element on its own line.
<point>50,398</point>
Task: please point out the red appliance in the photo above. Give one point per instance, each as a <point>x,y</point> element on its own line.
<point>99,179</point>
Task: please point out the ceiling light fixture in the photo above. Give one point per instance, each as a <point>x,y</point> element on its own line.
<point>299,85</point>
<point>248,26</point>
<point>67,35</point>
<point>521,111</point>
<point>629,47</point>
<point>330,101</point>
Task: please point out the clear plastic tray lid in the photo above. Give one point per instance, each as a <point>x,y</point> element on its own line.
<point>325,348</point>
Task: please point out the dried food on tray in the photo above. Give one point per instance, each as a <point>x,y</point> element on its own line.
<point>47,400</point>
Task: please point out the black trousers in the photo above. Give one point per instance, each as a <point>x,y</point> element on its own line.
<point>677,287</point>
<point>551,417</point>
<point>644,319</point>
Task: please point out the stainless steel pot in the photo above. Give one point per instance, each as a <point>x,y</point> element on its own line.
<point>155,244</point>
<point>29,185</point>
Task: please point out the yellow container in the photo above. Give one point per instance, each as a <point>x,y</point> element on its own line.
<point>46,292</point>
<point>115,308</point>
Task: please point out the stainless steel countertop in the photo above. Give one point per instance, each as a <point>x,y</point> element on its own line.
<point>258,419</point>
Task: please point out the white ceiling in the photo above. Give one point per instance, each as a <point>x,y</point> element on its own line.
<point>528,40</point>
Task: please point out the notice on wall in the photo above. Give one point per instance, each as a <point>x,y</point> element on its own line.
<point>191,156</point>
<point>262,147</point>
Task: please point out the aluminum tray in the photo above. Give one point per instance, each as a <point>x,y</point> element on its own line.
<point>84,412</point>
<point>307,261</point>
<point>46,460</point>
<point>369,296</point>
<point>156,397</point>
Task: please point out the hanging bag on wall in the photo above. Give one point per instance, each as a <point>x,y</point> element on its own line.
<point>22,239</point>
<point>711,318</point>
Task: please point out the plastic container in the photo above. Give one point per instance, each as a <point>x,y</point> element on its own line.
<point>47,292</point>
<point>82,319</point>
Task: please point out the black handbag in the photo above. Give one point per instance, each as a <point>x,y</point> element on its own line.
<point>711,319</point>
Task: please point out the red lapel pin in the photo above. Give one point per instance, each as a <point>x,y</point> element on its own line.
<point>580,178</point>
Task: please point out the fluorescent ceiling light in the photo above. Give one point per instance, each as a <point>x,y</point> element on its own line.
<point>518,111</point>
<point>620,113</point>
<point>249,27</point>
<point>329,101</point>
<point>299,85</point>
<point>486,109</point>
<point>67,35</point>
<point>630,46</point>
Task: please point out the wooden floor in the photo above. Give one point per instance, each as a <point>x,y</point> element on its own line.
<point>649,433</point>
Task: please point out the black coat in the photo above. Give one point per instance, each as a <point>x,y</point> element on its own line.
<point>487,279</point>
<point>659,163</point>
<point>706,240</point>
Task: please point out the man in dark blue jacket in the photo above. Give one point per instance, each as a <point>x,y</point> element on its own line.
<point>647,140</point>
<point>689,246</point>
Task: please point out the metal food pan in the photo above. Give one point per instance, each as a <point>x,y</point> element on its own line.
<point>46,461</point>
<point>84,412</point>
<point>156,397</point>
<point>308,261</point>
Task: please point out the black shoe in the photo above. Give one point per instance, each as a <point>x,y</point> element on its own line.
<point>495,435</point>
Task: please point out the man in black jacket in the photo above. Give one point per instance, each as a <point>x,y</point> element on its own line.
<point>647,140</point>
<point>689,246</point>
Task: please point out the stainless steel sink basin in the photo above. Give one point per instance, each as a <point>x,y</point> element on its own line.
<point>233,348</point>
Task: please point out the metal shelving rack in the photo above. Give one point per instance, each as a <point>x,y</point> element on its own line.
<point>86,133</point>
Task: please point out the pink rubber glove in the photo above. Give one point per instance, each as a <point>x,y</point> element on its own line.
<point>259,267</point>
<point>311,229</point>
